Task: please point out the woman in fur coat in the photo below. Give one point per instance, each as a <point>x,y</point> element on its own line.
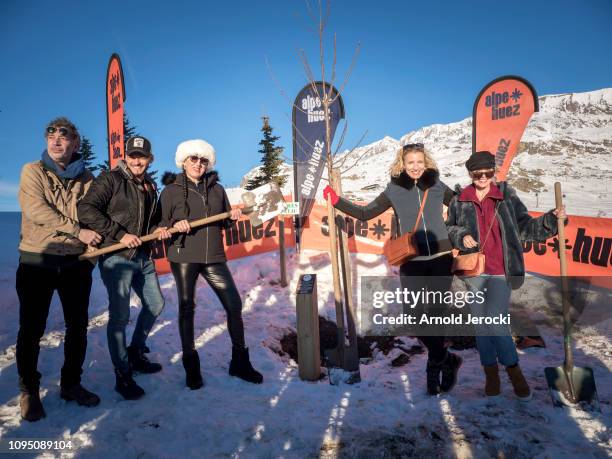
<point>490,218</point>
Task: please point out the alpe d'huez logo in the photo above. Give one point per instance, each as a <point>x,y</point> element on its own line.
<point>501,105</point>
<point>313,107</point>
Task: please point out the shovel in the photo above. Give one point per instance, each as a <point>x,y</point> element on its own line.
<point>260,205</point>
<point>568,384</point>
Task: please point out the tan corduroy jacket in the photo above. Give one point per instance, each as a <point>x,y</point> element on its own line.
<point>49,211</point>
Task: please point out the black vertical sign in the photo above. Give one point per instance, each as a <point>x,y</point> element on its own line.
<point>309,149</point>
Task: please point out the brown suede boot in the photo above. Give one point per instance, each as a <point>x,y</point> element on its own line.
<point>31,406</point>
<point>492,384</point>
<point>521,388</point>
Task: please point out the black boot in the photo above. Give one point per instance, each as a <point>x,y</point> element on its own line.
<point>193,377</point>
<point>30,405</point>
<point>140,363</point>
<point>241,366</point>
<point>433,376</point>
<point>126,385</point>
<point>450,368</point>
<point>79,394</point>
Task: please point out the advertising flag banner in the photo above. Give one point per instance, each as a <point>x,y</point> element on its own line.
<point>309,149</point>
<point>115,98</point>
<point>501,113</point>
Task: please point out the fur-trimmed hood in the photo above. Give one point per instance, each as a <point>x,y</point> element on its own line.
<point>425,181</point>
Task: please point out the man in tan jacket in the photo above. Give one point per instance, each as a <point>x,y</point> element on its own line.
<point>51,241</point>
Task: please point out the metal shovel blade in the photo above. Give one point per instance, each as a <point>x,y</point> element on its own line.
<point>570,387</point>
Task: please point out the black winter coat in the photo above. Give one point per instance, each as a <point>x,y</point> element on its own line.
<point>516,226</point>
<point>205,243</point>
<point>115,206</point>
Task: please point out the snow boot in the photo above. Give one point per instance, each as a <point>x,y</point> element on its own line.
<point>241,367</point>
<point>140,363</point>
<point>31,407</point>
<point>492,383</point>
<point>126,385</point>
<point>519,383</point>
<point>450,367</point>
<point>433,376</point>
<point>193,377</point>
<point>79,394</point>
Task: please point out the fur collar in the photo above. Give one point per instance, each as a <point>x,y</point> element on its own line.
<point>425,181</point>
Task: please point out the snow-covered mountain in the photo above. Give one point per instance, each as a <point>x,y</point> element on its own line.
<point>569,140</point>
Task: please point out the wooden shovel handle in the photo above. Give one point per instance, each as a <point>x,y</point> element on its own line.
<point>561,229</point>
<point>567,332</point>
<point>153,236</point>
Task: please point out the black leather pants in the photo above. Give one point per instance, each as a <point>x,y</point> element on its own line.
<point>221,281</point>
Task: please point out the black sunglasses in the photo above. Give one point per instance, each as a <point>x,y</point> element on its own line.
<point>413,146</point>
<point>63,132</point>
<point>478,174</point>
<point>195,159</point>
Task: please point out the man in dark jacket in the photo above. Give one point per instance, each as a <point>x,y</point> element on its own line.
<point>122,206</point>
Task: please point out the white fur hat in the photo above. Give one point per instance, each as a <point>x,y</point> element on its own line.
<point>196,147</point>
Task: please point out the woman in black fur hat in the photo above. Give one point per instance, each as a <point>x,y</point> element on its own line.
<point>192,194</point>
<point>413,173</point>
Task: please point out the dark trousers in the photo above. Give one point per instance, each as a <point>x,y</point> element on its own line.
<point>35,286</point>
<point>221,281</point>
<point>440,270</point>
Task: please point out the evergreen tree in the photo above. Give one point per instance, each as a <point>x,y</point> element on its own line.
<point>86,152</point>
<point>128,129</point>
<point>271,159</point>
<point>104,166</point>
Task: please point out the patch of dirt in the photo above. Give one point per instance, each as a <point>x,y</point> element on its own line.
<point>366,346</point>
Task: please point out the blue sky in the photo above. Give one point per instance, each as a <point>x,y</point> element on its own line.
<point>198,69</point>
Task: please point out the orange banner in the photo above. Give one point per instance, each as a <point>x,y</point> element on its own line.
<point>115,98</point>
<point>501,112</point>
<point>243,240</point>
<point>363,237</point>
<point>588,242</point>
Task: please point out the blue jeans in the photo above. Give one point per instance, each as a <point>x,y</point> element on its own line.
<point>497,299</point>
<point>120,275</point>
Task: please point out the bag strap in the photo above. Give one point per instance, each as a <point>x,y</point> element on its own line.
<point>416,224</point>
<point>489,231</point>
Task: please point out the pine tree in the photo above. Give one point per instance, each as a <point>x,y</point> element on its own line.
<point>87,154</point>
<point>271,159</point>
<point>105,166</point>
<point>128,129</point>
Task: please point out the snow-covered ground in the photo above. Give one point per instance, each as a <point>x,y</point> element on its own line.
<point>388,414</point>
